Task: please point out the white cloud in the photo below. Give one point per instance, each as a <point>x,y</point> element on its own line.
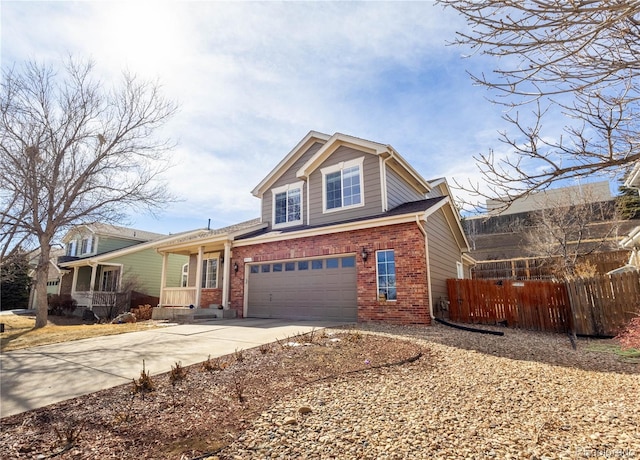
<point>254,78</point>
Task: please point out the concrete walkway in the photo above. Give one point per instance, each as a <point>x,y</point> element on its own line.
<point>39,376</point>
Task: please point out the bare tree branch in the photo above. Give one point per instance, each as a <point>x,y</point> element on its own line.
<point>74,151</point>
<point>578,63</point>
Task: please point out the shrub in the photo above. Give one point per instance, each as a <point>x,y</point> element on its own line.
<point>62,304</point>
<point>142,312</point>
<point>630,336</point>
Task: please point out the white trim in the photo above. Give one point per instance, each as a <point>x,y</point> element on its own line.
<point>340,167</point>
<point>286,189</point>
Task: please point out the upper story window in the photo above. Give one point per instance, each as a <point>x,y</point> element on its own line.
<point>342,185</point>
<point>287,205</point>
<point>72,248</point>
<point>86,245</point>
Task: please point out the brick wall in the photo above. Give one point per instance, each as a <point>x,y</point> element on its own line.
<point>412,305</point>
<point>210,296</point>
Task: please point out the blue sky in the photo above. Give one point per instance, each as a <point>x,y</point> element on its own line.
<point>252,79</point>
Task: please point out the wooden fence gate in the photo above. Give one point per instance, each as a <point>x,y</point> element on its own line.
<point>598,306</point>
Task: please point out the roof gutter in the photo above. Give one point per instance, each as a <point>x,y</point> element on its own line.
<point>426,250</point>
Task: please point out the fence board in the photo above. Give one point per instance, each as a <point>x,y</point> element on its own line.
<point>598,306</point>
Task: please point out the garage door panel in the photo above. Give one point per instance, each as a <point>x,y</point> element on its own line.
<point>326,293</point>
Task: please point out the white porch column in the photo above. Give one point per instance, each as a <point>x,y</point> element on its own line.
<point>226,280</point>
<point>92,285</point>
<point>163,277</point>
<point>199,275</point>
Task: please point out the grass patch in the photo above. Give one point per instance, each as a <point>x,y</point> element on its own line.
<point>629,355</point>
<point>19,332</point>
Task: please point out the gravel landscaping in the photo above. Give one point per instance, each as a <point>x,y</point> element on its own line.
<point>361,394</point>
<point>525,395</point>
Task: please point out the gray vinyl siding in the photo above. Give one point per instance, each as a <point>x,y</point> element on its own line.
<point>289,177</point>
<point>108,244</point>
<point>398,191</point>
<point>144,270</point>
<point>371,184</point>
<point>444,252</point>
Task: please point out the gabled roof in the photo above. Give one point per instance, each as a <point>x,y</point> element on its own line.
<point>330,145</point>
<point>115,231</point>
<point>398,163</point>
<point>307,141</point>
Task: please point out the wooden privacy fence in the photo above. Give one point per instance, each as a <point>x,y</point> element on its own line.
<point>596,306</point>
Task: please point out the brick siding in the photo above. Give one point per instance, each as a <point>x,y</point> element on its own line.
<point>412,304</point>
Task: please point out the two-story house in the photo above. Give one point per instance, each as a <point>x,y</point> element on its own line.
<point>102,262</point>
<point>348,231</point>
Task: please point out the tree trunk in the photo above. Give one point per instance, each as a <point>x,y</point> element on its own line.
<point>42,276</point>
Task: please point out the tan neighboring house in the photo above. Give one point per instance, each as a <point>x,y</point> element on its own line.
<point>54,277</point>
<point>348,231</point>
<point>103,261</point>
<point>632,240</point>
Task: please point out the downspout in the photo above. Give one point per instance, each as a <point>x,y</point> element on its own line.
<point>92,284</point>
<point>199,276</point>
<point>426,250</point>
<point>163,278</point>
<point>226,275</point>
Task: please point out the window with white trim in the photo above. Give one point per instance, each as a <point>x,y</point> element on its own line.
<point>342,185</point>
<point>386,271</point>
<point>210,273</point>
<point>185,275</point>
<point>72,247</point>
<point>86,245</point>
<point>460,270</point>
<point>287,205</point>
<point>109,279</point>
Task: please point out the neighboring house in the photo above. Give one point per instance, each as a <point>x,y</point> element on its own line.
<point>54,278</point>
<point>348,231</point>
<point>632,241</point>
<point>501,249</point>
<point>104,261</point>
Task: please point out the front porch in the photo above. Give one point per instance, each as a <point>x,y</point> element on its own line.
<point>204,283</point>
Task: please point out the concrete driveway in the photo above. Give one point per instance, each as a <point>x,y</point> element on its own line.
<point>39,376</point>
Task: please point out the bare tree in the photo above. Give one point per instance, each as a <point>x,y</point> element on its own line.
<point>75,151</point>
<point>577,61</point>
<point>569,228</point>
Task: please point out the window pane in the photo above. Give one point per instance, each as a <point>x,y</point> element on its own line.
<point>332,263</point>
<point>334,190</point>
<point>303,265</point>
<point>386,269</point>
<point>316,264</point>
<point>293,203</point>
<point>265,268</point>
<point>348,262</point>
<point>281,208</point>
<point>289,266</point>
<point>255,269</point>
<point>277,267</point>
<point>351,185</point>
<point>209,273</point>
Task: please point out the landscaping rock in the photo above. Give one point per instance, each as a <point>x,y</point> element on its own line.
<point>127,317</point>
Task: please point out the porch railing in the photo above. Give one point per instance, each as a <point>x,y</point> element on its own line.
<point>178,297</point>
<point>100,298</point>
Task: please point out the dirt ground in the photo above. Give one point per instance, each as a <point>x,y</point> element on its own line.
<point>230,407</point>
<point>185,416</point>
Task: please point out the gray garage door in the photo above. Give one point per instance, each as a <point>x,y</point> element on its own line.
<point>304,289</point>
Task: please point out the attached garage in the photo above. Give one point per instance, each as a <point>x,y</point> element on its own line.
<point>313,289</point>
